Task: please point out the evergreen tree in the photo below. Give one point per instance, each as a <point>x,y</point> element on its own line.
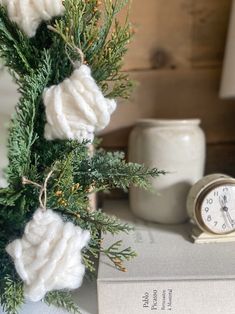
<point>39,62</point>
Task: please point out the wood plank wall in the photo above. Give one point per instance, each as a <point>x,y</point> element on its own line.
<point>176,57</point>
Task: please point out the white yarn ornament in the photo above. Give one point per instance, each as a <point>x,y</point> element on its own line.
<point>76,108</point>
<point>48,256</point>
<point>28,14</point>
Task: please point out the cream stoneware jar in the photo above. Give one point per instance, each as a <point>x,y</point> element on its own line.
<point>176,146</point>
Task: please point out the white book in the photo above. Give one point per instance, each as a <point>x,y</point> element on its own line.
<point>170,273</point>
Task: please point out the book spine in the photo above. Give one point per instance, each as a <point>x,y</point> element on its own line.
<point>176,297</point>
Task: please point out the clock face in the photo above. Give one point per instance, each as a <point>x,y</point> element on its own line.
<point>218,209</point>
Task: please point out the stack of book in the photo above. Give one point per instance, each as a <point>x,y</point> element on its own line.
<point>170,273</point>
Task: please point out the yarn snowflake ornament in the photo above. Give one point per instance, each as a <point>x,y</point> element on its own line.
<point>28,14</point>
<point>48,256</point>
<point>76,108</point>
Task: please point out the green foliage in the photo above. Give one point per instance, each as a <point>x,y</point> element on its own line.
<point>101,38</point>
<point>62,299</point>
<point>22,159</point>
<point>16,51</point>
<point>118,255</point>
<point>11,297</point>
<point>106,223</point>
<point>35,64</point>
<point>110,170</point>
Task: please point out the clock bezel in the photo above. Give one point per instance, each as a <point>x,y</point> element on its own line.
<point>200,198</point>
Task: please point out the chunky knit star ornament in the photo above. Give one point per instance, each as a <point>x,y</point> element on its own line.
<point>48,256</point>
<point>28,14</point>
<point>76,108</point>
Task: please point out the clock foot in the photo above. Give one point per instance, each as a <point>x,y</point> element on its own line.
<point>200,237</point>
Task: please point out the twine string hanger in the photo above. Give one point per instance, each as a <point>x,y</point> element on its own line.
<point>76,64</point>
<point>43,190</point>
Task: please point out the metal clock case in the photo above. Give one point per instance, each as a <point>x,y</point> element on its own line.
<point>211,204</point>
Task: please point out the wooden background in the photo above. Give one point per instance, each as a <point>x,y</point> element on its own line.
<point>176,57</point>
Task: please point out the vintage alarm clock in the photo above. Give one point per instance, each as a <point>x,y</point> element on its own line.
<point>211,204</point>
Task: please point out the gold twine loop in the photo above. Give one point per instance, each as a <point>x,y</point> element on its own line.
<point>43,190</point>
<point>75,64</point>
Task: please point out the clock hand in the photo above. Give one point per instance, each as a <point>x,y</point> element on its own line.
<point>226,220</point>
<point>221,201</point>
<point>231,221</point>
<point>224,199</point>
